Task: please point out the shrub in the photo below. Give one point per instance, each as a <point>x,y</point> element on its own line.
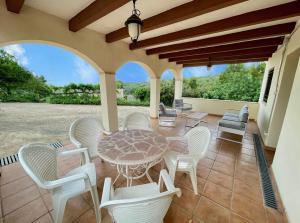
<point>84,99</point>
<point>122,101</point>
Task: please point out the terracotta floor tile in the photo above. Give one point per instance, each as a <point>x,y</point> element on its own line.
<point>75,207</point>
<point>19,199</point>
<point>202,171</point>
<point>11,172</point>
<point>249,152</point>
<point>211,155</point>
<point>47,198</point>
<point>218,194</point>
<point>185,181</point>
<point>210,212</point>
<point>252,191</point>
<point>187,201</point>
<point>274,216</point>
<point>87,217</point>
<point>237,219</point>
<point>206,162</point>
<point>248,208</point>
<point>15,186</point>
<point>223,168</point>
<point>248,177</point>
<point>247,158</point>
<point>44,219</point>
<point>246,165</point>
<point>176,214</point>
<point>225,159</point>
<point>221,179</point>
<point>28,213</point>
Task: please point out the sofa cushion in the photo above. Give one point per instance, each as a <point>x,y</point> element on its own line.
<point>244,113</point>
<point>232,114</point>
<point>232,124</point>
<point>231,118</point>
<point>168,113</point>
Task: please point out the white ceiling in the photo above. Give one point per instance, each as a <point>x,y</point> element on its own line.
<point>66,9</point>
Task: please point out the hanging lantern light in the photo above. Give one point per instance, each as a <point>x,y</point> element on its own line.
<point>134,24</point>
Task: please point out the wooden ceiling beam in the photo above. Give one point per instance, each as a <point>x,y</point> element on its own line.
<point>259,33</point>
<point>14,5</point>
<point>93,12</point>
<point>225,62</point>
<point>255,44</point>
<point>224,58</point>
<point>177,14</point>
<point>274,13</point>
<point>255,51</point>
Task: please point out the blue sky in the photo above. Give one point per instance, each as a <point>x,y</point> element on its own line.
<point>61,67</point>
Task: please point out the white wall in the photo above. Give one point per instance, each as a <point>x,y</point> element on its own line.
<point>271,114</point>
<point>286,164</point>
<point>218,107</point>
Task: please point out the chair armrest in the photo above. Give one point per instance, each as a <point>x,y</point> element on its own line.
<point>166,179</point>
<point>185,157</point>
<point>62,181</point>
<point>106,132</point>
<point>76,151</point>
<point>75,142</point>
<point>106,190</point>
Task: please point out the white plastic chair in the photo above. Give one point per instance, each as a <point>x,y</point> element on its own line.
<point>85,133</point>
<point>137,120</point>
<point>139,204</point>
<point>198,140</point>
<point>40,163</point>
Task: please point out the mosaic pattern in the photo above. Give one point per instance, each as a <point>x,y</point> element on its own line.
<point>132,147</point>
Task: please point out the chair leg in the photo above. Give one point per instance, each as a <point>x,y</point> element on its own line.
<point>95,198</point>
<point>172,174</point>
<point>59,206</point>
<point>193,176</point>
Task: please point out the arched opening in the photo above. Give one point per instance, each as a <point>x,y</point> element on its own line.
<point>133,88</point>
<point>56,85</point>
<point>167,87</point>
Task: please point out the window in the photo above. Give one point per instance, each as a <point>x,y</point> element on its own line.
<point>268,86</point>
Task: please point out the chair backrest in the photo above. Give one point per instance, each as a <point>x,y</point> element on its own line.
<point>86,131</point>
<point>149,210</point>
<point>198,140</point>
<point>162,108</point>
<point>244,114</point>
<point>137,120</point>
<point>178,103</point>
<point>39,162</point>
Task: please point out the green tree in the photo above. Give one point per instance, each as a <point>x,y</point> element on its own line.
<point>142,93</point>
<point>167,88</point>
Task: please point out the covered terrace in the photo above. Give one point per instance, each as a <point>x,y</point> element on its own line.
<point>177,34</point>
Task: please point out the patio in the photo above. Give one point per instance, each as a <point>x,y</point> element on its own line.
<point>177,34</point>
<point>228,183</point>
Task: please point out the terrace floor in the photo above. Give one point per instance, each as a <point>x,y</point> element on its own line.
<point>228,182</point>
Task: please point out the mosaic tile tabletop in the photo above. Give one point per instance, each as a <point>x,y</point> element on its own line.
<point>132,147</point>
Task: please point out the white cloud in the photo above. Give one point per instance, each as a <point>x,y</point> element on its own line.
<point>18,52</point>
<point>85,71</point>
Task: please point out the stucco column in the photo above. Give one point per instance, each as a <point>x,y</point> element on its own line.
<point>109,101</point>
<point>154,96</point>
<point>178,89</point>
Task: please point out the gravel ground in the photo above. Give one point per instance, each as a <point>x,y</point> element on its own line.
<point>22,123</point>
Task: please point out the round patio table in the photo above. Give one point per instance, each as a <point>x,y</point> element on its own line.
<point>133,152</point>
